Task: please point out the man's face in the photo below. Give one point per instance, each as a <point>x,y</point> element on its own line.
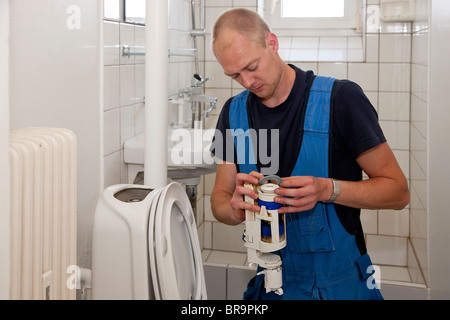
<point>252,66</point>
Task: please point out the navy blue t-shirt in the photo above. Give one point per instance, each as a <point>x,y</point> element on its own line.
<point>354,130</point>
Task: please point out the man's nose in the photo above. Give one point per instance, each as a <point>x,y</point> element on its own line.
<point>247,79</point>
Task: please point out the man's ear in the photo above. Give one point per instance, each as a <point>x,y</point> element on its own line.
<point>272,41</point>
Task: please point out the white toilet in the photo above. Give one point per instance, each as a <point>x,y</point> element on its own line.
<point>145,245</point>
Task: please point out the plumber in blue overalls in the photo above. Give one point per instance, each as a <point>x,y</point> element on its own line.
<point>328,133</point>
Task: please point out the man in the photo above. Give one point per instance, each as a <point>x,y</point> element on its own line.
<point>326,133</point>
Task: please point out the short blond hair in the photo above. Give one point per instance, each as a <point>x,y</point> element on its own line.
<point>247,22</point>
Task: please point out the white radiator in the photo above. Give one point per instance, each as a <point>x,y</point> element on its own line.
<point>43,213</point>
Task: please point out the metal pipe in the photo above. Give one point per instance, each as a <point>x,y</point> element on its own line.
<point>197,68</point>
<point>156,93</point>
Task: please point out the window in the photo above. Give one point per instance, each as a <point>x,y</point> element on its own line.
<point>313,9</point>
<point>342,15</point>
<point>318,30</point>
<point>111,9</point>
<point>135,11</point>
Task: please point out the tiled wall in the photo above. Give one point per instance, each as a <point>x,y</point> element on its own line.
<point>124,83</point>
<point>385,76</point>
<point>124,80</point>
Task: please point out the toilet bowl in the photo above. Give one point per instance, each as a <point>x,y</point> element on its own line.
<point>145,245</point>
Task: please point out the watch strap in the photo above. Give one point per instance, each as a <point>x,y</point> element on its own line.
<point>336,190</point>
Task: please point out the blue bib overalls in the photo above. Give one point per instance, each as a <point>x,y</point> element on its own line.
<point>321,259</point>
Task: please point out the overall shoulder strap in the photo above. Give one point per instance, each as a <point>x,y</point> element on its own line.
<point>317,117</point>
<point>243,142</point>
<point>238,111</point>
<point>313,159</point>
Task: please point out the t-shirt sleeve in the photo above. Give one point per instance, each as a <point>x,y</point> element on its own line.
<point>356,120</point>
<point>222,145</point>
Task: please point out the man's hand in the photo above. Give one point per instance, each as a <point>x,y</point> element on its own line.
<point>302,193</point>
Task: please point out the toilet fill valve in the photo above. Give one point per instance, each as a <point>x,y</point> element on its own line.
<point>265,233</point>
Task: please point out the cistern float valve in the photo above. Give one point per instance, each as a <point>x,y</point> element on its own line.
<point>265,233</point>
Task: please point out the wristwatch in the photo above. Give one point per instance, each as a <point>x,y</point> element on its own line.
<point>336,190</point>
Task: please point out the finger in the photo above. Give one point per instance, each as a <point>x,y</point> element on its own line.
<point>238,204</point>
<point>297,205</point>
<point>244,191</point>
<point>241,178</point>
<point>251,207</point>
<point>291,192</point>
<point>297,181</point>
<point>257,175</point>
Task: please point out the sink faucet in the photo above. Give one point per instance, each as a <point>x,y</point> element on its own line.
<point>206,99</point>
<point>212,106</point>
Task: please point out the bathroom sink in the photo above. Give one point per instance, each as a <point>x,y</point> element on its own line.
<point>188,153</point>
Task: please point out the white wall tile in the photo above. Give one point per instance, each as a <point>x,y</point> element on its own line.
<point>355,55</point>
<point>355,42</point>
<point>372,47</point>
<point>139,42</point>
<point>395,48</point>
<point>285,42</point>
<point>394,106</point>
<point>419,81</point>
<point>245,3</point>
<point>111,82</point>
<point>139,117</point>
<point>111,43</point>
<point>336,54</point>
<point>126,124</point>
<point>394,223</point>
<point>369,221</point>
<point>127,94</point>
<point>139,83</point>
<point>387,250</point>
<point>305,43</point>
<point>395,77</point>
<point>420,48</point>
<point>212,13</point>
<point>228,238</point>
<point>226,257</point>
<point>307,55</point>
<point>335,70</point>
<point>397,134</point>
<point>112,165</point>
<point>364,74</point>
<point>219,3</point>
<point>111,131</point>
<point>219,79</point>
<point>178,14</point>
<point>333,43</point>
<point>208,235</point>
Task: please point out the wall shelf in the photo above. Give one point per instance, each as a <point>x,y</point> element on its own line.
<point>178,52</point>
